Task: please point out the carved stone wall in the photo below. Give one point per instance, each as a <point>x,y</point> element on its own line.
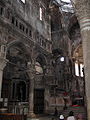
<point>23,36</point>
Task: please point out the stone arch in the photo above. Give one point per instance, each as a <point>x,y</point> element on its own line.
<point>41,57</point>
<point>40,67</point>
<point>20,45</point>
<point>73,20</point>
<point>78,53</point>
<point>41,62</point>
<point>15,71</point>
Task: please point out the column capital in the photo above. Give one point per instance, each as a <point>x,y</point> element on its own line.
<point>31,70</point>
<point>31,73</point>
<point>3,62</point>
<point>82,8</point>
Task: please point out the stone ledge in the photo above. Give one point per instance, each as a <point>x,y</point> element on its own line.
<point>32,118</point>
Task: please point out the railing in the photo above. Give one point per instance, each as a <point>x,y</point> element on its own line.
<point>10,116</point>
<point>18,107</point>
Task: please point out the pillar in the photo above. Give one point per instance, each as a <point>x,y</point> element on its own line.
<point>47,96</point>
<point>82,8</point>
<point>2,65</point>
<point>31,73</point>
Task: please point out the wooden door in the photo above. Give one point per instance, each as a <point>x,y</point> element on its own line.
<point>39,101</point>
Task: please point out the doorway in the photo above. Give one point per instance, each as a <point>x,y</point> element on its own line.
<point>21,91</point>
<point>39,101</point>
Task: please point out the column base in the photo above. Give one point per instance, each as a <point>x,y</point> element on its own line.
<point>31,115</point>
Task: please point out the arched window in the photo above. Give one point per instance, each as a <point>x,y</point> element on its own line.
<point>23,1</point>
<point>81,70</point>
<point>76,69</point>
<point>38,67</point>
<point>41,13</point>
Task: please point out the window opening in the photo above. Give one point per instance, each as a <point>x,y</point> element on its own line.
<point>1,10</point>
<point>76,69</point>
<point>38,67</point>
<point>23,28</point>
<point>13,20</point>
<point>16,23</point>
<point>20,26</point>
<point>67,1</point>
<point>23,1</point>
<point>64,5</point>
<point>30,33</point>
<point>41,13</point>
<point>81,70</point>
<point>26,30</point>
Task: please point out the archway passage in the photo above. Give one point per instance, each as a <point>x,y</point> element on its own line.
<point>40,67</point>
<point>39,101</point>
<point>21,91</point>
<point>15,78</point>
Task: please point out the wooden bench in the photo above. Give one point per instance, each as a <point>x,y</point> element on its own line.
<point>11,116</point>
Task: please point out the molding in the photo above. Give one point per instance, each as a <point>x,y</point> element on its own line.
<point>3,63</point>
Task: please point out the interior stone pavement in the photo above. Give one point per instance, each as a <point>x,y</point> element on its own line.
<point>44,118</point>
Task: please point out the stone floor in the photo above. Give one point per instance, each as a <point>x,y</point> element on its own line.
<point>47,117</point>
<point>78,110</point>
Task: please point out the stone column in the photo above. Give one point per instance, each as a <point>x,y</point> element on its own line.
<point>47,96</point>
<point>31,73</point>
<point>2,65</point>
<point>82,8</point>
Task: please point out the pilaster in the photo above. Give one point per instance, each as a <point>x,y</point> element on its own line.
<point>2,65</point>
<point>31,73</point>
